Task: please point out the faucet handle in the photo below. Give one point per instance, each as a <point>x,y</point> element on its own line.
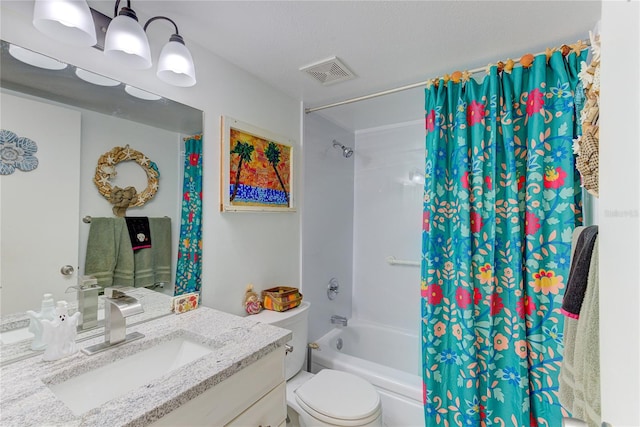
<point>113,293</point>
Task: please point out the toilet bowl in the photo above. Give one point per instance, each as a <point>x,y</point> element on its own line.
<point>330,397</point>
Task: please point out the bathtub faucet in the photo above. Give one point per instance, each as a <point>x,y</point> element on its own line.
<point>339,320</point>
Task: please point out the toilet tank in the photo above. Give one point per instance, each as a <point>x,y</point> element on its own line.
<point>297,321</point>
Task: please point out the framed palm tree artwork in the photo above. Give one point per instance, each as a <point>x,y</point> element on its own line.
<point>257,169</point>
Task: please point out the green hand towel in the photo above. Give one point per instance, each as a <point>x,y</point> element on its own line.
<point>108,259</point>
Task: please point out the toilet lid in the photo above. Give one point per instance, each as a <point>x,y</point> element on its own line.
<point>339,396</point>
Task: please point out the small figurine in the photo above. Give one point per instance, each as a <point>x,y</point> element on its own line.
<point>47,311</point>
<point>252,303</point>
<point>60,333</point>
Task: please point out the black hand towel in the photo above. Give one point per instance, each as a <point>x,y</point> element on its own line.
<point>579,273</point>
<point>139,232</point>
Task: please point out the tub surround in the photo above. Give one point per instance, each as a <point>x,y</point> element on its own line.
<point>236,342</point>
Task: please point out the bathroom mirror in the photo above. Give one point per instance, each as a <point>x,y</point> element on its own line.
<point>112,102</point>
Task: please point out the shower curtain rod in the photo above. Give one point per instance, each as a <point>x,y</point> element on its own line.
<point>414,85</point>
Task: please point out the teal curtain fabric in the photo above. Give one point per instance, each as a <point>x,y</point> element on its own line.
<point>189,268</point>
<point>502,198</point>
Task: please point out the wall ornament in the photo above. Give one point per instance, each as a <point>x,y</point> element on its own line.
<point>123,198</point>
<point>16,152</point>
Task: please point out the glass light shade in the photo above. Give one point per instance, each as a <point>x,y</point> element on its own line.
<point>175,65</point>
<point>127,43</point>
<point>36,59</point>
<point>68,21</point>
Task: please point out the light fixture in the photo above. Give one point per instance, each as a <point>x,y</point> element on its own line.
<point>175,65</point>
<point>68,21</point>
<point>126,41</point>
<point>36,59</point>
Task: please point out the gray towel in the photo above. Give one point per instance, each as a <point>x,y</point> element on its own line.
<point>579,273</point>
<point>567,371</point>
<point>587,351</point>
<point>153,265</point>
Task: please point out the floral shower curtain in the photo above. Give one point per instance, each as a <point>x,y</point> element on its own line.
<point>502,198</point>
<point>189,268</point>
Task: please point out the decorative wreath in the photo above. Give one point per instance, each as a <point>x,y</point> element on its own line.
<point>127,197</point>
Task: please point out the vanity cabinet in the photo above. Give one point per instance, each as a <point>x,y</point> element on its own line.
<point>254,396</point>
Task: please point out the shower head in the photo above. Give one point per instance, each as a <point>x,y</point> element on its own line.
<point>346,151</point>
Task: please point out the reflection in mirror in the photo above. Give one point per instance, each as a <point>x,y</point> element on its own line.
<point>74,120</point>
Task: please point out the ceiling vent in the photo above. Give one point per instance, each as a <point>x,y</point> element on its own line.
<point>329,71</point>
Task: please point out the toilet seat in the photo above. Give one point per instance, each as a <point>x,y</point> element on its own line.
<point>339,398</point>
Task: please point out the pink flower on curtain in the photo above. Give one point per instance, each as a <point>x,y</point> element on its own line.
<point>475,113</point>
<point>465,180</point>
<point>476,222</point>
<point>186,197</point>
<point>525,306</point>
<point>193,159</point>
<point>535,102</point>
<point>430,121</point>
<point>547,282</point>
<point>463,298</point>
<point>487,180</point>
<point>477,296</point>
<point>531,223</point>
<point>433,294</point>
<point>496,304</point>
<point>426,216</point>
<point>554,178</point>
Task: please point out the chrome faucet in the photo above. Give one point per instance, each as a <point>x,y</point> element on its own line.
<point>118,306</point>
<point>339,320</point>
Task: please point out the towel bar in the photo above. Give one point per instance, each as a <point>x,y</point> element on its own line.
<point>87,219</point>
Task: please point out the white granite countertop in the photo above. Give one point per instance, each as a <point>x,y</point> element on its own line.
<point>26,400</point>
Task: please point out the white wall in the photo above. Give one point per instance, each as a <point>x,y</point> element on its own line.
<point>327,222</point>
<point>257,248</point>
<point>619,217</point>
<point>388,220</point>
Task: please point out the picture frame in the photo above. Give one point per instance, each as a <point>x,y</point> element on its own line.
<point>257,169</point>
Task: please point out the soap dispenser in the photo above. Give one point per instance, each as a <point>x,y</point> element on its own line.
<point>47,311</point>
<point>87,295</point>
<point>60,333</point>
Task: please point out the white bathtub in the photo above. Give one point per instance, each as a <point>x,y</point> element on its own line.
<point>387,358</point>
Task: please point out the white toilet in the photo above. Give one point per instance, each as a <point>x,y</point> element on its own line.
<point>330,397</point>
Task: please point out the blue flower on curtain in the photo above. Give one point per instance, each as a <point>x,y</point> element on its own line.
<point>502,198</point>
<point>189,267</point>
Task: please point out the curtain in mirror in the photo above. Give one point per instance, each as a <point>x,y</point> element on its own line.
<point>189,266</point>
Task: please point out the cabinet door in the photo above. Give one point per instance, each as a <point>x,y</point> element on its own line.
<point>39,209</point>
<point>270,411</point>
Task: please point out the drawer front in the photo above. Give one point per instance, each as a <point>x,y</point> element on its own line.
<point>270,411</point>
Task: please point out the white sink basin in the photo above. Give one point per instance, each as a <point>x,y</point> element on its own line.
<point>93,388</point>
<point>16,335</point>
